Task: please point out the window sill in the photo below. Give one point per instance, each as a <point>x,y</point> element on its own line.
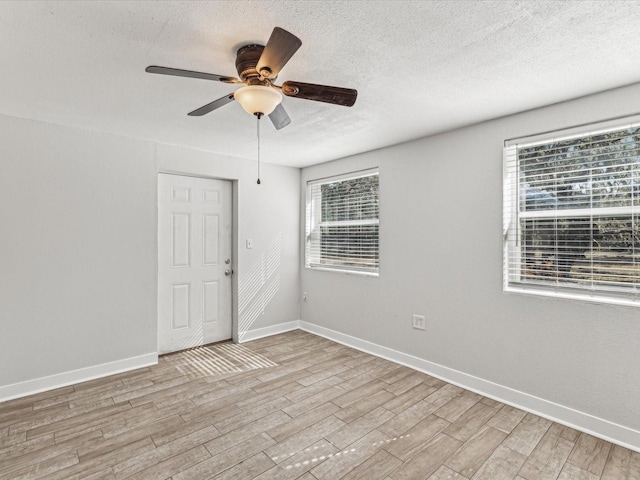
<point>348,272</point>
<point>594,298</point>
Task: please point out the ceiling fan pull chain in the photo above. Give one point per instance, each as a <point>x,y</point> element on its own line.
<point>258,115</point>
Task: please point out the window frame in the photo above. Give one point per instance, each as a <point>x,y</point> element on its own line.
<point>313,224</point>
<point>513,214</point>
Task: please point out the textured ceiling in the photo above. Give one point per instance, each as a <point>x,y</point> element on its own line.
<point>420,67</point>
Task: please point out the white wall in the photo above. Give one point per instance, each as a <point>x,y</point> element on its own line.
<point>441,256</point>
<point>78,248</point>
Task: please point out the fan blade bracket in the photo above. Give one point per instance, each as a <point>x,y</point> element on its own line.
<point>320,93</point>
<point>266,73</point>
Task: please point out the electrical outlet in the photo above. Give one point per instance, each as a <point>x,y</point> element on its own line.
<point>304,296</point>
<point>419,322</point>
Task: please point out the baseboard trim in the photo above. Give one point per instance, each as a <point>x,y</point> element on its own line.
<point>37,385</point>
<point>268,331</point>
<point>578,420</point>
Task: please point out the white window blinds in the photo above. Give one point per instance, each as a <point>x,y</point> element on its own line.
<point>572,212</point>
<point>342,223</point>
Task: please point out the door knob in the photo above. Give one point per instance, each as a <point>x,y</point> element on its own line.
<point>228,272</point>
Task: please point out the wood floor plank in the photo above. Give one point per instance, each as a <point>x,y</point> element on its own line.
<point>149,458</point>
<point>428,459</point>
<point>145,424</point>
<point>527,434</point>
<point>309,403</point>
<point>357,394</point>
<point>409,398</point>
<point>197,424</point>
<point>458,405</point>
<point>99,458</point>
<point>295,425</point>
<point>301,440</point>
<point>297,465</point>
<point>11,440</point>
<point>571,472</point>
<point>347,459</point>
<point>23,420</point>
<point>403,421</point>
<point>590,454</point>
<point>226,458</point>
<point>622,463</point>
<point>258,399</point>
<point>310,379</point>
<point>17,403</point>
<point>507,418</point>
<point>467,424</point>
<point>396,374</point>
<point>445,473</point>
<point>503,464</point>
<point>549,456</point>
<point>240,435</point>
<point>363,407</point>
<point>412,441</point>
<point>232,422</point>
<point>316,388</point>
<point>406,383</point>
<point>377,467</point>
<point>45,467</point>
<point>350,432</point>
<point>32,457</point>
<point>16,449</point>
<point>173,465</point>
<point>444,394</point>
<point>252,467</point>
<point>114,449</point>
<point>471,455</point>
<point>73,417</point>
<point>279,381</point>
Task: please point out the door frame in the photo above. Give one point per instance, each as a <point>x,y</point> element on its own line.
<point>234,245</point>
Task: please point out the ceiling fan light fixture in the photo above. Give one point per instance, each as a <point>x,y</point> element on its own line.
<point>258,99</point>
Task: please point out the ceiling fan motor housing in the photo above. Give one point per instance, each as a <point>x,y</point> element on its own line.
<point>246,61</point>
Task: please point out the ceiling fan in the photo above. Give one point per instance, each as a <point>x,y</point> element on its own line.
<point>258,67</point>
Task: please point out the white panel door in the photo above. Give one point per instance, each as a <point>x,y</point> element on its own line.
<point>194,262</point>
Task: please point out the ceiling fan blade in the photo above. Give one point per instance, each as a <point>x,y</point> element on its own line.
<point>320,93</point>
<point>279,117</point>
<point>210,107</point>
<point>191,74</point>
<point>279,49</point>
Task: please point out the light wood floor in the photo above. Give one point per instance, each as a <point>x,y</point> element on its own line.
<point>325,411</point>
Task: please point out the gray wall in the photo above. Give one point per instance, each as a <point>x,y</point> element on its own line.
<point>78,245</point>
<point>441,256</point>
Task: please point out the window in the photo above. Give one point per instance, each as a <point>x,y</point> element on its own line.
<point>342,223</point>
<point>572,213</point>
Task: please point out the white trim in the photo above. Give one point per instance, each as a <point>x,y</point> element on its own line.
<point>576,131</point>
<point>581,296</point>
<point>598,427</point>
<point>579,212</point>
<point>249,335</point>
<point>37,385</point>
<point>345,176</point>
<point>362,273</point>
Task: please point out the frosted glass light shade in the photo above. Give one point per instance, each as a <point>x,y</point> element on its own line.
<point>258,99</point>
